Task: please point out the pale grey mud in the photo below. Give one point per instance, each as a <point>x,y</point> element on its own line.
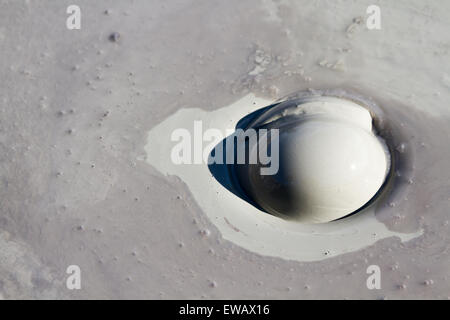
<point>81,183</point>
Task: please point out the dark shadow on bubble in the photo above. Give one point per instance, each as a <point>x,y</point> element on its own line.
<point>223,172</point>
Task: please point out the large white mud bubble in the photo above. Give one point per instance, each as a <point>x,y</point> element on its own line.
<point>329,161</point>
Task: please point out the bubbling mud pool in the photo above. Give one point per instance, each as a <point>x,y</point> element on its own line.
<point>246,225</point>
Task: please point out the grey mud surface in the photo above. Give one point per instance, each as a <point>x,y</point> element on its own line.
<point>76,107</point>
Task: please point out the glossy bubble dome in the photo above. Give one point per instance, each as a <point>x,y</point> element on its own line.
<point>330,161</point>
